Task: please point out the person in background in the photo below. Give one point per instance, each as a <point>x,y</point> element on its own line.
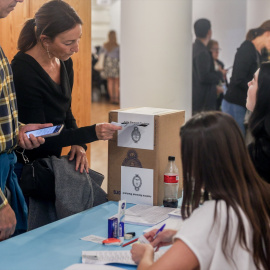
<point>204,76</point>
<point>111,66</point>
<point>13,210</point>
<point>231,229</point>
<point>43,76</point>
<point>247,60</point>
<point>213,47</point>
<point>258,100</point>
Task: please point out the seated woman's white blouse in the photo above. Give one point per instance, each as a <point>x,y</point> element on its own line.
<point>205,238</point>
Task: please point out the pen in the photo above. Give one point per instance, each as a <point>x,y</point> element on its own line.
<point>159,230</point>
<point>130,242</point>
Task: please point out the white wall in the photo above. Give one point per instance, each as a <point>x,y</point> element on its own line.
<point>156,44</point>
<point>258,11</point>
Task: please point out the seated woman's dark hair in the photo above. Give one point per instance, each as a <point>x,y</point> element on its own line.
<point>215,159</point>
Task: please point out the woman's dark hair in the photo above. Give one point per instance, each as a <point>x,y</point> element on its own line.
<point>256,32</point>
<point>215,159</point>
<point>51,19</point>
<point>259,121</point>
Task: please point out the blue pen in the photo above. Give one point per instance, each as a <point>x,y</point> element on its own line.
<point>159,230</point>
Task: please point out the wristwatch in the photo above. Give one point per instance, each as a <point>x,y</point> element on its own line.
<point>3,199</point>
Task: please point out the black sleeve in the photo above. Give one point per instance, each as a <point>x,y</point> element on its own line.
<point>70,121</point>
<point>203,62</point>
<point>69,137</point>
<point>244,66</point>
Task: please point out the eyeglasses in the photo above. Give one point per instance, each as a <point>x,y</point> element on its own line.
<point>215,49</point>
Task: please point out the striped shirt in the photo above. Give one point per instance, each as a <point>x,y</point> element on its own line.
<point>9,128</point>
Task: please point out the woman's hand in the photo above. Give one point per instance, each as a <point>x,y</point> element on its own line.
<point>81,159</point>
<point>139,250</point>
<point>7,222</point>
<point>163,238</point>
<point>105,131</point>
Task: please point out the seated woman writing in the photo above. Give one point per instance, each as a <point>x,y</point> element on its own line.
<point>231,229</point>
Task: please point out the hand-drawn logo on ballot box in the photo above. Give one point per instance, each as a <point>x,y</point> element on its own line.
<point>137,182</point>
<point>132,160</point>
<point>136,134</point>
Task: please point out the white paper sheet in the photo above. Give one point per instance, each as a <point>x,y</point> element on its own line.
<point>137,185</point>
<point>172,222</point>
<point>146,215</point>
<point>81,266</point>
<point>135,136</point>
<point>93,238</point>
<point>124,256</point>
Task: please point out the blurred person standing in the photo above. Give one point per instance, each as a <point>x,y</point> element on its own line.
<point>204,76</point>
<point>213,47</point>
<point>111,66</point>
<point>247,60</point>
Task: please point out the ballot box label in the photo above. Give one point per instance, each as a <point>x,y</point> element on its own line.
<point>137,185</point>
<point>137,131</point>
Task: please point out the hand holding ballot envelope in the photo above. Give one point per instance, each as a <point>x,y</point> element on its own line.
<point>105,131</point>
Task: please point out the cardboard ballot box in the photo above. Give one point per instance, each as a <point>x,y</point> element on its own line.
<point>138,154</point>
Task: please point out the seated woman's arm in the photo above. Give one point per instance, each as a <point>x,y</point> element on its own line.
<point>178,257</point>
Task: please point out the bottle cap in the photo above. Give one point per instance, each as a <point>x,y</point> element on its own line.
<point>171,158</point>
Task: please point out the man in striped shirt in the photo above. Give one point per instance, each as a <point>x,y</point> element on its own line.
<point>13,210</point>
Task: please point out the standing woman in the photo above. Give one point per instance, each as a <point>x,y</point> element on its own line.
<point>258,100</point>
<point>111,66</point>
<point>231,229</point>
<point>247,60</point>
<point>43,77</point>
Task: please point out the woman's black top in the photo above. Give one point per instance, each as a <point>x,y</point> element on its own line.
<point>41,100</point>
<point>247,60</point>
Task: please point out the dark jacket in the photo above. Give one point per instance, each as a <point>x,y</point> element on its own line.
<point>41,100</point>
<point>260,154</point>
<point>246,62</point>
<point>204,79</point>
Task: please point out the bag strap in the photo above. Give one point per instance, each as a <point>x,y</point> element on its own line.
<point>25,158</point>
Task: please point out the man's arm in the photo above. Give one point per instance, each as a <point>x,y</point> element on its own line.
<point>203,64</point>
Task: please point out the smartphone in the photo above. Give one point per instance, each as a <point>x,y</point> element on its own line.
<point>46,132</point>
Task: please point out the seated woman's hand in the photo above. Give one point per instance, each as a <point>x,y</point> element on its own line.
<point>138,251</point>
<point>163,238</point>
<point>81,159</point>
<point>105,131</point>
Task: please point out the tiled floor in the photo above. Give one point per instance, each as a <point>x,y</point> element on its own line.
<point>99,149</point>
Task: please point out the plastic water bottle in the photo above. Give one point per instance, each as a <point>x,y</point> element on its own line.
<point>171,182</point>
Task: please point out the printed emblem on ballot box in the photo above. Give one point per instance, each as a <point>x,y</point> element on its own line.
<point>135,134</point>
<point>132,160</point>
<point>137,182</point>
<point>142,181</point>
<point>137,130</point>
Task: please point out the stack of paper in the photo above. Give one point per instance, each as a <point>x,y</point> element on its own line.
<point>105,257</point>
<point>146,215</point>
<point>80,266</point>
